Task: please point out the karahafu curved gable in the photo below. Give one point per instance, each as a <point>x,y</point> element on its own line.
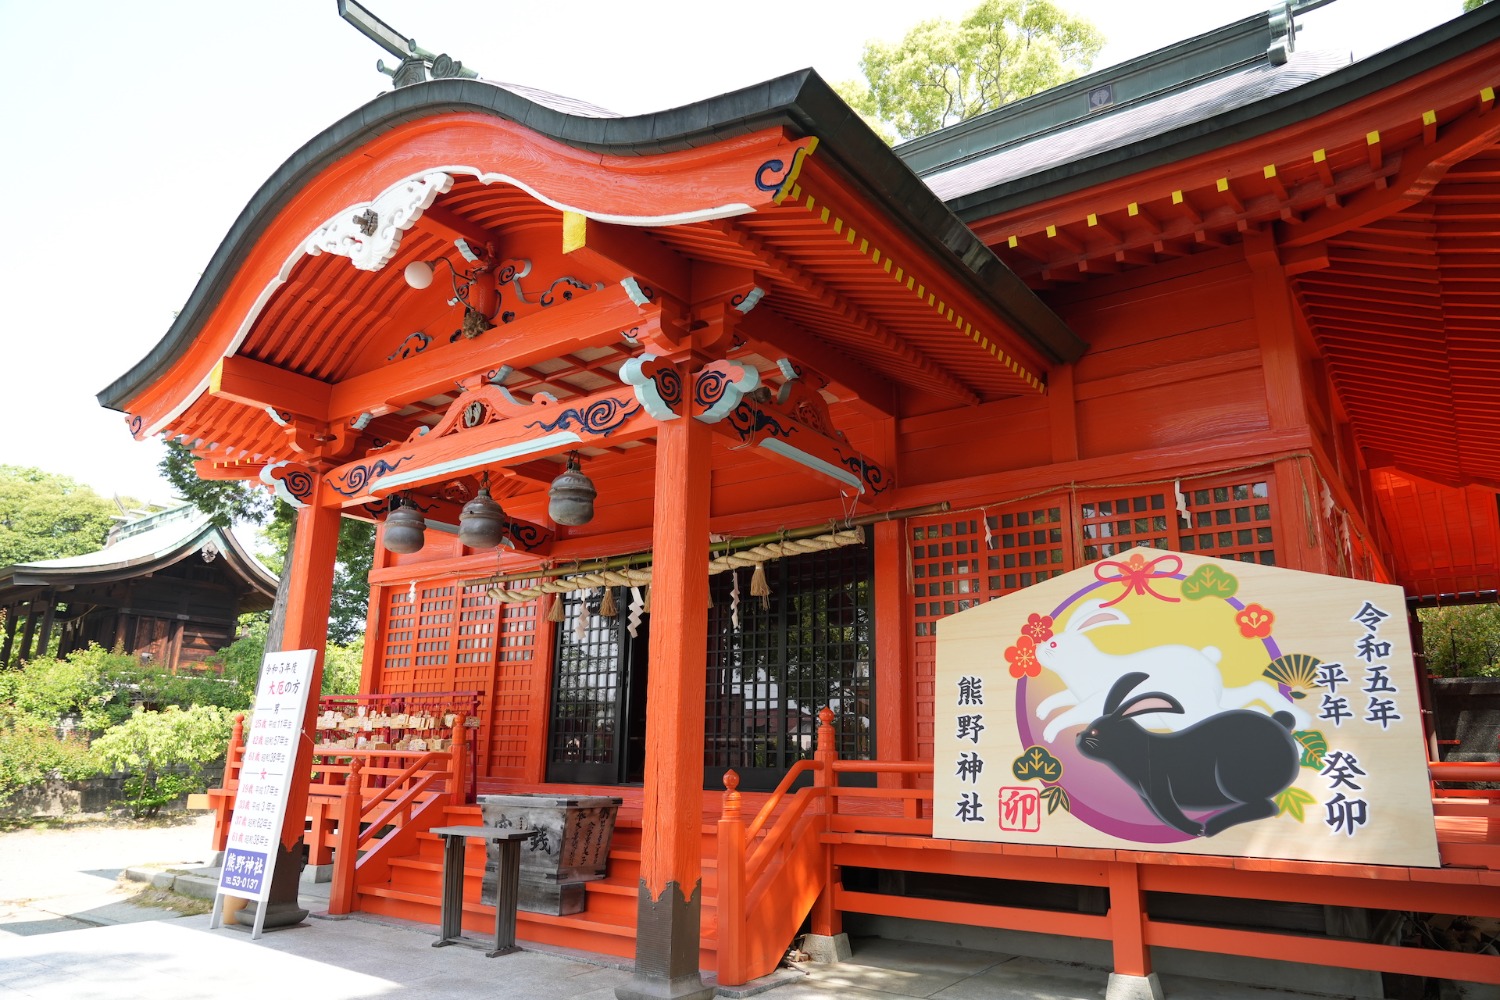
<point>369,234</point>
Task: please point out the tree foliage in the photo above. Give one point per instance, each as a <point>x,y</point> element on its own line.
<point>164,753</point>
<point>942,73</point>
<point>1462,641</point>
<point>47,516</point>
<point>227,502</point>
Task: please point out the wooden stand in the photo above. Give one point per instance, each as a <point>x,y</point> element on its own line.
<point>507,884</point>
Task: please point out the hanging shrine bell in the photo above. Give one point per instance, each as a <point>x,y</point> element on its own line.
<point>481,525</point>
<point>571,496</point>
<point>405,527</point>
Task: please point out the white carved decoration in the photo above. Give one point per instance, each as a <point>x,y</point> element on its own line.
<point>391,213</point>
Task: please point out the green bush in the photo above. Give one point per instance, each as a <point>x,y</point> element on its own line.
<point>31,751</point>
<point>164,753</point>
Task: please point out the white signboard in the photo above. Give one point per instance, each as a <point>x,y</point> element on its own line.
<point>266,775</point>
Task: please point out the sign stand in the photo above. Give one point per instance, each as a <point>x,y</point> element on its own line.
<point>265,782</point>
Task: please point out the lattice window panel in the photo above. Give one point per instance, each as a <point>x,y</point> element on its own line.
<point>956,564</point>
<point>475,640</point>
<point>1230,520</point>
<point>515,684</point>
<point>586,692</point>
<point>1112,523</point>
<point>400,627</point>
<point>809,646</point>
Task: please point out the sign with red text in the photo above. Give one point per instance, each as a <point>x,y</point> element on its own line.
<point>266,773</point>
<point>1165,701</point>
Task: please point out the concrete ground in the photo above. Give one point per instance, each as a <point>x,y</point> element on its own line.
<point>68,931</point>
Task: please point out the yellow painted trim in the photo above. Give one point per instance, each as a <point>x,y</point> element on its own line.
<point>790,180</point>
<point>1177,197</point>
<point>1133,209</point>
<point>1051,232</point>
<point>1012,242</point>
<point>216,378</point>
<point>1223,184</point>
<point>1429,118</point>
<point>1487,94</point>
<point>1269,171</point>
<point>1372,137</point>
<point>1093,220</point>
<point>575,232</point>
<point>1319,155</point>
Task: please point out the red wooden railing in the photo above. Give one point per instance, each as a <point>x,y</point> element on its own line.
<point>783,866</point>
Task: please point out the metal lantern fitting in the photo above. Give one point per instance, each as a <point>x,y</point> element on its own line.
<point>405,528</point>
<point>571,496</point>
<point>482,523</point>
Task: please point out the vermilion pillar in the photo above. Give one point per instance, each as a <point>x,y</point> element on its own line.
<point>669,905</point>
<point>314,551</point>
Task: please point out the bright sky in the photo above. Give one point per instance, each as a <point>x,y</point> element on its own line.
<point>135,132</point>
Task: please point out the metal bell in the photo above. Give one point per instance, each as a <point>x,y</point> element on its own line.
<point>571,496</point>
<point>482,523</point>
<point>405,529</point>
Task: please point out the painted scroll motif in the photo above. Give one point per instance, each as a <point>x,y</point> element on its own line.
<point>1170,702</point>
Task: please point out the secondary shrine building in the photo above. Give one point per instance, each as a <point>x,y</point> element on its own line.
<point>1227,300</point>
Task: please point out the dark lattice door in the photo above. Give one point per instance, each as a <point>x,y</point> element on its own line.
<point>597,693</point>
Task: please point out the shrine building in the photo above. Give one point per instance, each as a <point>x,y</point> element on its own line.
<point>687,431</point>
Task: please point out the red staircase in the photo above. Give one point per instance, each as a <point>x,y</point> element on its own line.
<point>606,926</point>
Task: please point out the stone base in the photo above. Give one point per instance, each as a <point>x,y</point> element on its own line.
<point>827,948</point>
<point>689,988</point>
<point>313,874</point>
<point>556,898</point>
<point>1122,987</point>
<point>277,915</point>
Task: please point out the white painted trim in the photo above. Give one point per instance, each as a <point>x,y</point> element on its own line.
<point>801,457</point>
<point>453,466</point>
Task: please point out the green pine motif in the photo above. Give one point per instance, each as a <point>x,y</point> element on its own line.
<point>1293,802</point>
<point>1036,762</point>
<point>1209,581</point>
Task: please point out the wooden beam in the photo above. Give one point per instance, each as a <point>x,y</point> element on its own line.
<point>615,252</point>
<point>788,339</point>
<point>259,385</point>
<point>585,321</point>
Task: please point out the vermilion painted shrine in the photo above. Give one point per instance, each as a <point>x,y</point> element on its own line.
<point>828,395</point>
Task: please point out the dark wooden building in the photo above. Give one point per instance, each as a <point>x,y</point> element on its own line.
<point>167,587</point>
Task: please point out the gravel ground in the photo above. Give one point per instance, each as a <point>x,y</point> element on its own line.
<point>64,878</point>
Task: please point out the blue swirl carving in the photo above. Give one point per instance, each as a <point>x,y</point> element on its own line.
<point>299,483</point>
<point>403,350</point>
<point>748,421</point>
<point>547,298</point>
<point>774,166</point>
<point>353,482</point>
<point>709,388</point>
<point>669,387</point>
<point>136,423</point>
<point>871,474</point>
<point>602,417</point>
<point>525,535</point>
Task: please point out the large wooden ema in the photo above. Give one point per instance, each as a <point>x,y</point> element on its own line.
<point>1186,756</point>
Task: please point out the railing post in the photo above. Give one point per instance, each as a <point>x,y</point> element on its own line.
<point>224,804</point>
<point>731,902</point>
<point>352,806</point>
<point>458,762</point>
<point>825,918</point>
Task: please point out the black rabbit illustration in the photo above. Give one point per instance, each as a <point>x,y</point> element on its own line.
<point>1240,759</point>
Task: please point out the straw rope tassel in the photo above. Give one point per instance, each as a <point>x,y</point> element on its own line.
<point>607,607</point>
<point>555,613</point>
<point>760,586</point>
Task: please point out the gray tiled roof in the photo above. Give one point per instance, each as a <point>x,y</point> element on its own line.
<point>557,102</point>
<point>1124,126</point>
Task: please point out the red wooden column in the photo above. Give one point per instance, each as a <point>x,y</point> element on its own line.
<point>314,549</point>
<point>669,904</point>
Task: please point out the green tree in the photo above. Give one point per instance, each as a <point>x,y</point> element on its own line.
<point>164,753</point>
<point>942,73</point>
<point>227,502</point>
<point>1461,641</point>
<point>47,516</point>
<point>1474,4</point>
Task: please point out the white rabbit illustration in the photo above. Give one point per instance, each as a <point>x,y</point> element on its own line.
<point>1192,675</point>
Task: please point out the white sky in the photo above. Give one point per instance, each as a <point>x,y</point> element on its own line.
<point>133,133</point>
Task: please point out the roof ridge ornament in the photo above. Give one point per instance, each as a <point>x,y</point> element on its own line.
<point>1283,32</point>
<point>416,61</point>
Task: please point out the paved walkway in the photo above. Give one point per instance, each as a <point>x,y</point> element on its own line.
<point>67,931</point>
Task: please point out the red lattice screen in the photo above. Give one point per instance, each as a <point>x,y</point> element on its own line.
<point>956,565</point>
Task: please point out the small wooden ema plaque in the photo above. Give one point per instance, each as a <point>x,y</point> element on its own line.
<point>1164,701</point>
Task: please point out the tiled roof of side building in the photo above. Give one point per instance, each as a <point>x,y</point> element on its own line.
<point>1125,126</point>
